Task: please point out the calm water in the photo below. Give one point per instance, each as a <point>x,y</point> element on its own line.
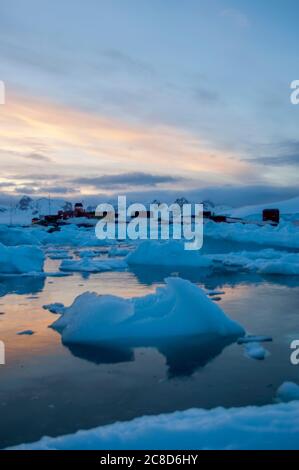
<point>48,389</point>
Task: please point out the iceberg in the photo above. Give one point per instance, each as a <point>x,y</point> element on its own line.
<point>21,259</point>
<point>177,310</point>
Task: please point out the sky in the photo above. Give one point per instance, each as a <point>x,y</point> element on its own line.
<point>150,98</point>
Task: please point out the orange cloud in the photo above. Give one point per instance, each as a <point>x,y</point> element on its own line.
<point>81,142</point>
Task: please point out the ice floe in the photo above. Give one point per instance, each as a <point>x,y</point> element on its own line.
<point>168,253</point>
<point>285,235</point>
<point>90,265</point>
<point>26,333</point>
<point>56,307</point>
<point>118,251</point>
<point>266,261</point>
<point>21,259</point>
<point>255,350</point>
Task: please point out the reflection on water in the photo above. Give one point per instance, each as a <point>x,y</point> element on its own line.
<point>49,388</point>
<point>21,285</point>
<point>183,356</point>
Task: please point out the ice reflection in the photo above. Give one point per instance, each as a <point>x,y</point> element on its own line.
<point>21,285</point>
<point>183,355</point>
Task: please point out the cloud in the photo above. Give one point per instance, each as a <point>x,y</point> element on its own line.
<point>284,153</point>
<point>125,180</point>
<point>60,190</point>
<point>289,159</point>
<point>39,157</point>
<point>206,96</point>
<point>103,144</point>
<point>26,189</point>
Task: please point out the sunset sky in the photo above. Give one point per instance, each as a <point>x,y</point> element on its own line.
<point>149,97</point>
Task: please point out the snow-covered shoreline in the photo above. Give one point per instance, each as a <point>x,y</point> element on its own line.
<point>259,428</point>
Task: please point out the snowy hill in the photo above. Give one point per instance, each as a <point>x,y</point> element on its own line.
<point>22,212</point>
<point>288,207</point>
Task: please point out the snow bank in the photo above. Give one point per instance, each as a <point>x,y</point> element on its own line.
<point>264,261</point>
<point>169,253</point>
<point>90,265</point>
<point>290,206</point>
<point>268,427</point>
<point>20,259</point>
<point>178,309</point>
<point>288,391</point>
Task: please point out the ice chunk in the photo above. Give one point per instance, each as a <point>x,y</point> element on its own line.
<point>93,266</point>
<point>286,234</point>
<point>21,259</point>
<point>255,351</point>
<point>55,307</point>
<point>169,253</point>
<point>26,332</point>
<point>288,391</point>
<point>118,251</point>
<point>88,253</point>
<point>17,236</point>
<point>59,254</point>
<point>212,293</point>
<point>176,310</point>
<point>264,261</point>
<point>254,339</point>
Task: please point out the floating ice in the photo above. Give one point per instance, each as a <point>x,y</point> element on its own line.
<point>212,293</point>
<point>271,427</point>
<point>168,253</point>
<point>118,251</point>
<point>255,351</point>
<point>59,254</point>
<point>286,234</point>
<point>17,236</point>
<point>21,259</point>
<point>264,261</point>
<point>179,309</point>
<point>254,339</point>
<point>56,307</point>
<point>26,332</point>
<point>288,391</point>
<point>93,265</point>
